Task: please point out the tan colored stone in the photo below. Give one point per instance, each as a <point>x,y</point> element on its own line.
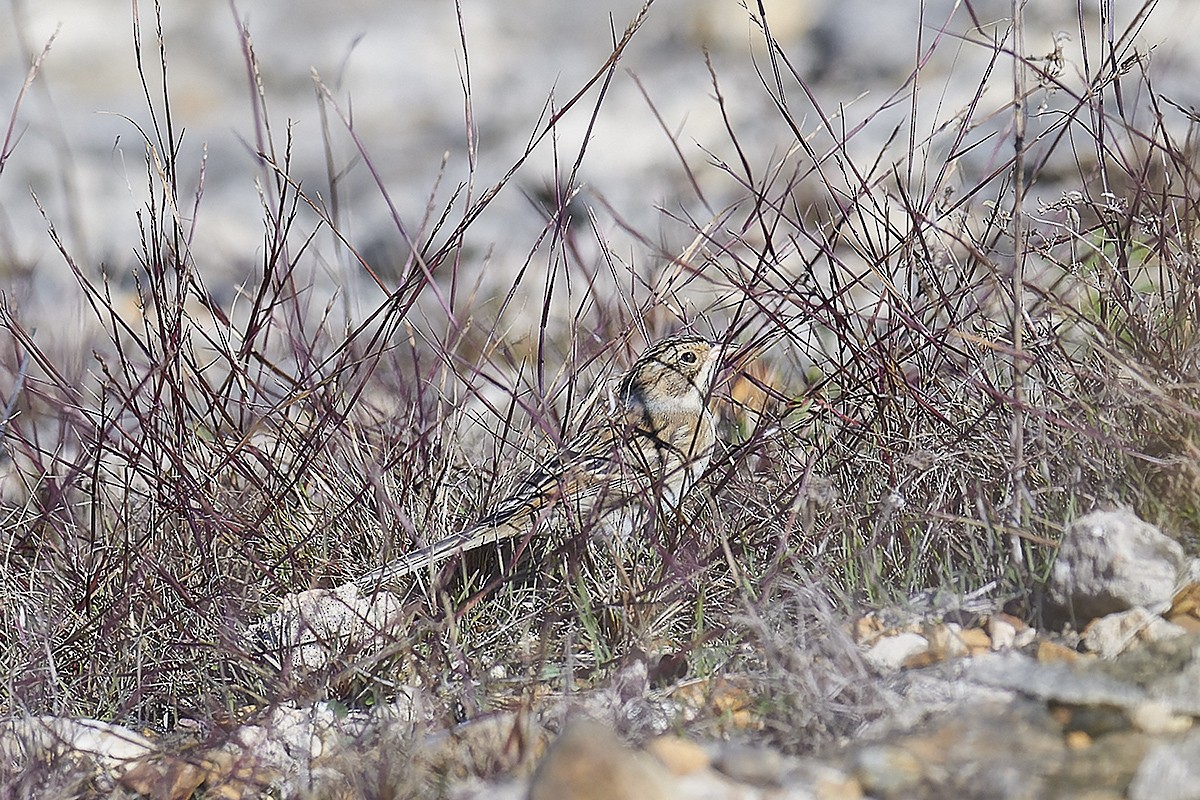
<point>589,762</point>
<point>840,788</point>
<point>178,776</point>
<point>1186,602</point>
<point>1186,621</point>
<point>170,777</point>
<point>1185,608</point>
<point>729,700</point>
<point>867,629</point>
<point>976,640</point>
<point>680,756</point>
<point>1078,740</point>
<point>234,777</point>
<point>945,641</point>
<point>1053,652</point>
<point>922,660</point>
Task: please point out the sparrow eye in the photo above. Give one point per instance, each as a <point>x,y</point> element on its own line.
<point>688,357</point>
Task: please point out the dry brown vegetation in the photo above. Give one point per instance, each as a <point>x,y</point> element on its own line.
<point>948,372</point>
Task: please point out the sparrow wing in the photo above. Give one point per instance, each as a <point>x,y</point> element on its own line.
<point>576,473</point>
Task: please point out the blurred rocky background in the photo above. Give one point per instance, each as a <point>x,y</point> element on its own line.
<point>400,70</point>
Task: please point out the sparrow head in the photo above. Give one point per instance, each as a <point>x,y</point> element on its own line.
<point>673,375</point>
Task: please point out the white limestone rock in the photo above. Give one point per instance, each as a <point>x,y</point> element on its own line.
<point>1112,561</point>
